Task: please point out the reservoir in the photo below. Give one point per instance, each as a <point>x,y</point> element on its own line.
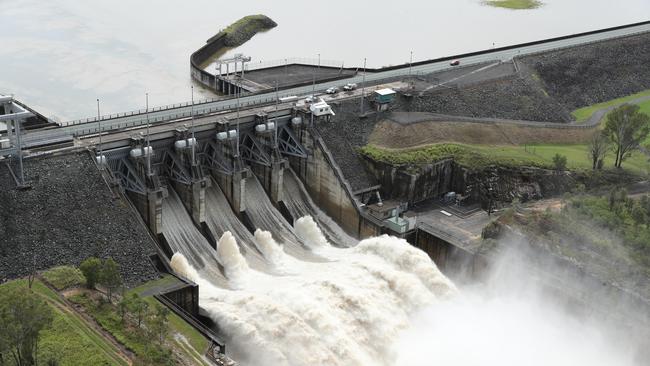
<point>59,56</point>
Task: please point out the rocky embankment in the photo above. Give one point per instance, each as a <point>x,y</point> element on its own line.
<point>509,98</point>
<point>343,135</point>
<point>69,214</point>
<point>594,73</point>
<point>245,28</point>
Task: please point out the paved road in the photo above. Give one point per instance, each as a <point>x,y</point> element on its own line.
<point>138,118</point>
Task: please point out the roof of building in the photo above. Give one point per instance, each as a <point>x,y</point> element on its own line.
<point>385,91</point>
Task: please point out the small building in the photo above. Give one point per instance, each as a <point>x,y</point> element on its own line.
<point>321,108</point>
<point>384,96</point>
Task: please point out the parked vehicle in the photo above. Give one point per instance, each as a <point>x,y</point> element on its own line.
<point>455,63</point>
<point>349,86</point>
<point>332,90</point>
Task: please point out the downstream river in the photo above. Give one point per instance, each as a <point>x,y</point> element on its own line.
<point>60,55</point>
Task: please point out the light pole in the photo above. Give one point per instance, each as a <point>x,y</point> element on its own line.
<point>192,125</point>
<point>410,63</point>
<point>17,124</point>
<point>277,101</point>
<point>99,126</point>
<point>237,145</point>
<point>216,77</point>
<point>313,85</point>
<point>363,84</point>
<point>148,139</point>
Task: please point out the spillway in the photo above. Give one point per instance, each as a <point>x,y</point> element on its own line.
<point>345,311</point>
<point>300,204</point>
<point>265,216</point>
<point>183,237</point>
<point>220,218</point>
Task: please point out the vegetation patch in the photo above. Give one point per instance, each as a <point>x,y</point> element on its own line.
<point>67,340</point>
<point>131,334</point>
<point>583,114</point>
<point>176,323</point>
<point>63,277</point>
<point>245,28</point>
<point>607,235</point>
<point>480,156</point>
<point>515,4</point>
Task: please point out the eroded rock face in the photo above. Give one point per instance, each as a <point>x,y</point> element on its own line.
<point>426,181</point>
<point>69,214</point>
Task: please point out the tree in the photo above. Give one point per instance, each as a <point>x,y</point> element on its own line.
<point>22,317</point>
<point>598,147</point>
<point>559,162</point>
<point>91,268</point>
<point>626,127</point>
<point>638,213</point>
<point>158,323</point>
<point>123,307</point>
<point>110,277</point>
<point>139,307</point>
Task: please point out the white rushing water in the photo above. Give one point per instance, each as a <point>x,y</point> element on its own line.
<point>344,312</point>
<point>300,204</point>
<point>380,302</point>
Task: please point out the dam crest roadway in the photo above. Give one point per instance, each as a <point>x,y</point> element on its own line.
<point>158,115</point>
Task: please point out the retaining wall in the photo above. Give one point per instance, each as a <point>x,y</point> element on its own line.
<point>329,189</point>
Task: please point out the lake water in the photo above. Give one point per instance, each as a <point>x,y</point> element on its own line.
<point>60,55</point>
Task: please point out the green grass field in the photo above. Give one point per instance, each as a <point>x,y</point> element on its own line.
<point>584,113</point>
<point>69,340</point>
<point>515,4</point>
<point>645,107</point>
<point>478,156</point>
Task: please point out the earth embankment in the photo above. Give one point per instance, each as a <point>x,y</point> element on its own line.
<point>593,73</point>
<point>429,129</point>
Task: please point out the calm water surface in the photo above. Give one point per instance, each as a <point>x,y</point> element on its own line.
<point>60,55</point>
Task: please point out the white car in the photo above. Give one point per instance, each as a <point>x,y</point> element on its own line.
<point>332,90</point>
<point>349,86</point>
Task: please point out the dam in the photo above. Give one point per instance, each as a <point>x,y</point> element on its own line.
<point>293,248</point>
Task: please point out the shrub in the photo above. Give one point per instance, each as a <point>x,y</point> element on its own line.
<point>91,269</point>
<point>63,277</point>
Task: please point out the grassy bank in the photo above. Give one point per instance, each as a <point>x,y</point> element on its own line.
<point>479,156</point>
<point>515,4</point>
<point>69,340</point>
<point>584,113</point>
<point>107,315</point>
